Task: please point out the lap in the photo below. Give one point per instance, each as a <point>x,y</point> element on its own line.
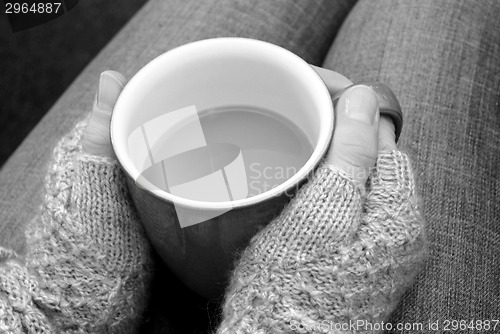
<point>441,59</point>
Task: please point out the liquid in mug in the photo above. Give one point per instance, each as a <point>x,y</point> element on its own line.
<point>272,147</point>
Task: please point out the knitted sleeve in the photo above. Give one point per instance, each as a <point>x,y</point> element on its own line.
<point>87,267</point>
<point>336,260</point>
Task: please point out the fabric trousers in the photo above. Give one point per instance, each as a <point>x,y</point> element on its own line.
<point>441,60</point>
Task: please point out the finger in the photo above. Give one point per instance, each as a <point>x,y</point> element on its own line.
<point>334,81</point>
<point>96,137</point>
<point>355,141</point>
<point>386,134</point>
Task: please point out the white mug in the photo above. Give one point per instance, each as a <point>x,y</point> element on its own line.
<point>198,239</point>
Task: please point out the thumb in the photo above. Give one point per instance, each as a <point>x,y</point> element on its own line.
<point>96,137</point>
<point>355,141</point>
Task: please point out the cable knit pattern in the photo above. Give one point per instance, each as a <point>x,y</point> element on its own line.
<point>88,264</point>
<point>333,256</point>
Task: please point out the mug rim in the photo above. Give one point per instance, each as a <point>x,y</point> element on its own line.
<point>323,142</point>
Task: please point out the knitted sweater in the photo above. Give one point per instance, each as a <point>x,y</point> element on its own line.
<point>87,266</point>
<point>335,255</point>
<point>336,260</point>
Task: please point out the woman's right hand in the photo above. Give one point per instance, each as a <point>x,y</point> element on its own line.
<point>343,250</point>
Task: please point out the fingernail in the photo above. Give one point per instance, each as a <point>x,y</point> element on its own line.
<point>361,104</point>
<point>111,84</point>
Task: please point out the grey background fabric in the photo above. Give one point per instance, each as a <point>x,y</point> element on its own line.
<point>38,64</point>
<point>440,58</point>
